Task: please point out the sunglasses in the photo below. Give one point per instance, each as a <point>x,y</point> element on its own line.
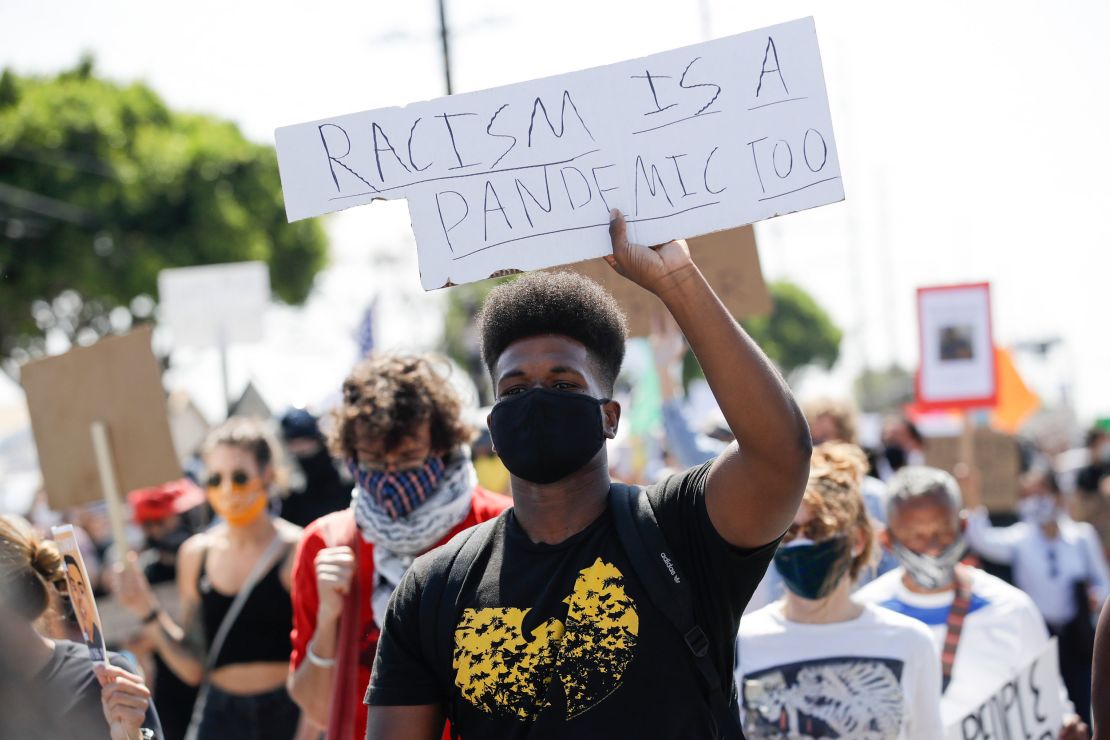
<point>238,478</point>
<point>814,530</point>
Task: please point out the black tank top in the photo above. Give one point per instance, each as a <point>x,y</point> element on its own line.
<point>260,634</point>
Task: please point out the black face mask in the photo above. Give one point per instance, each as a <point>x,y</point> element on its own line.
<point>318,467</point>
<point>813,570</point>
<point>542,436</point>
<point>895,456</point>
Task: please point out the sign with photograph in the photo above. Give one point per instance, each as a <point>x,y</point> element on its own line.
<point>685,142</point>
<point>957,365</point>
<point>80,593</point>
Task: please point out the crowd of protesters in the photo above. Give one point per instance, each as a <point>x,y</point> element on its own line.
<point>869,582</point>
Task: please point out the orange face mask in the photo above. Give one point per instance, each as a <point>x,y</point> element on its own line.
<point>240,505</point>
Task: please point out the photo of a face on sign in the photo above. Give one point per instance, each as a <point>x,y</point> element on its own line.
<point>957,349</point>
<point>80,592</point>
<point>956,343</point>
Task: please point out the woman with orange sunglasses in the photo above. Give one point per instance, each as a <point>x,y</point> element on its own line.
<point>238,646</point>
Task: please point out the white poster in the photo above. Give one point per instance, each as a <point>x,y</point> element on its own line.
<point>214,305</point>
<point>685,142</point>
<point>1025,705</point>
<point>957,348</point>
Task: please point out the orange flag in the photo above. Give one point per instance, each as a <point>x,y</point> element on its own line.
<point>1015,401</point>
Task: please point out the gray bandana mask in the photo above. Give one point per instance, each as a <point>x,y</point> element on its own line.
<point>931,572</point>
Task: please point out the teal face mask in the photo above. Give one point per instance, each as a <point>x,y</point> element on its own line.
<point>811,570</point>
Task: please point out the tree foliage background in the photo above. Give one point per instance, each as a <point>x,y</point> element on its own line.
<point>797,333</point>
<point>102,185</point>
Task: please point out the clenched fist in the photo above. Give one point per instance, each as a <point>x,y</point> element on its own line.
<point>335,566</point>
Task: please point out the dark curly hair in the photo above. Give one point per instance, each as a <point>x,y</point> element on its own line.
<point>564,303</point>
<point>388,397</point>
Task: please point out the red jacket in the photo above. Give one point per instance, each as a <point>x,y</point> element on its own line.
<point>338,529</point>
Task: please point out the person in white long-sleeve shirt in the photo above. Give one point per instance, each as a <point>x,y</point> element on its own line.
<point>1002,627</point>
<point>883,665</point>
<point>1058,562</point>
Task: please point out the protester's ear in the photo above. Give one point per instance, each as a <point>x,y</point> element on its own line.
<point>610,417</point>
<point>859,541</point>
<point>884,538</point>
<point>489,426</point>
<point>963,522</point>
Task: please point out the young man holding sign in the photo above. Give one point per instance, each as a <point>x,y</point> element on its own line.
<point>540,623</point>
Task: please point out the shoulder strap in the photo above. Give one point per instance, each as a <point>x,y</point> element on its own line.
<point>956,615</point>
<point>647,548</point>
<point>441,595</point>
<point>262,566</point>
<point>270,556</point>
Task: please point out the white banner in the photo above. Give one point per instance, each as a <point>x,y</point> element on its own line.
<point>214,305</point>
<point>685,142</point>
<point>1026,705</point>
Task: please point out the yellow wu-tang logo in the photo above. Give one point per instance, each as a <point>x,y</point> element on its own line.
<point>501,670</point>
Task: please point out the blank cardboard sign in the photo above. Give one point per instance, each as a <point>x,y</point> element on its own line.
<point>116,381</point>
<point>996,458</point>
<point>728,259</point>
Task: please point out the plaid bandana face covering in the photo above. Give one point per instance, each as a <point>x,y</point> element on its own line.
<point>399,492</point>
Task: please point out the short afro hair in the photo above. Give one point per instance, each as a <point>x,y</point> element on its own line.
<point>563,303</point>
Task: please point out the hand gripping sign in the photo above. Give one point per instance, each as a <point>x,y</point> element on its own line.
<point>685,142</point>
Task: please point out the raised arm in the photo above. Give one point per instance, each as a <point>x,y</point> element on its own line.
<point>668,349</point>
<point>322,577</point>
<point>993,543</point>
<point>755,486</point>
<point>183,646</point>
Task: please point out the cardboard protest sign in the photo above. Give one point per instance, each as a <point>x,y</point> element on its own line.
<point>994,455</point>
<point>728,259</point>
<point>214,305</point>
<point>116,381</point>
<point>957,367</point>
<point>1026,704</point>
<point>80,593</point>
<point>522,177</point>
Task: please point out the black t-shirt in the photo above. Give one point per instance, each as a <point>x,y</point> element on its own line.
<point>70,689</point>
<point>1090,477</point>
<point>562,640</point>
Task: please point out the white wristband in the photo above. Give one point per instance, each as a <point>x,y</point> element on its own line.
<point>316,660</point>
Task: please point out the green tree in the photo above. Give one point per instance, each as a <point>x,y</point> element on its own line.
<point>102,186</point>
<point>882,390</point>
<point>460,331</point>
<point>797,333</point>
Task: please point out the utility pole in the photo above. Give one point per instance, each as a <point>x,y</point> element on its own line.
<point>446,45</point>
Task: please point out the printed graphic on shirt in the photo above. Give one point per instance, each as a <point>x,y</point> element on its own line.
<point>505,668</point>
<point>828,698</point>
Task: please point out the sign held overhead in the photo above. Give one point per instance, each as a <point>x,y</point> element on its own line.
<point>685,142</point>
<point>957,367</point>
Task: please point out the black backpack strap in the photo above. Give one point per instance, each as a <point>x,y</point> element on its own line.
<point>670,592</point>
<point>441,596</point>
